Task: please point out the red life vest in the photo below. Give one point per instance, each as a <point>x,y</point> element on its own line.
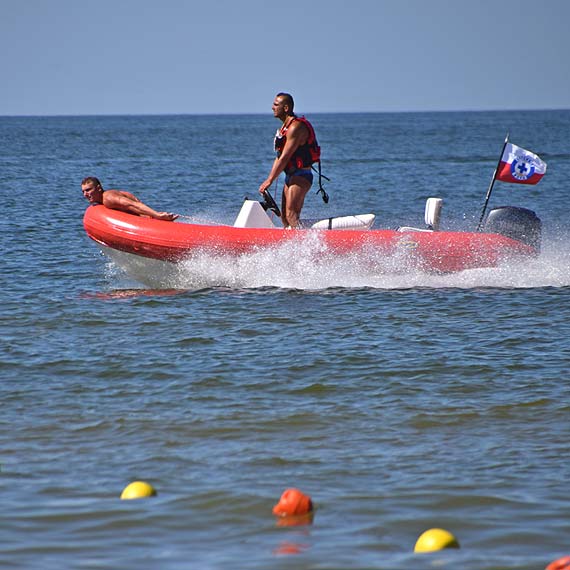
<point>306,155</point>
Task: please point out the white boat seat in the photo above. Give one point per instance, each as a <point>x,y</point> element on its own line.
<point>432,216</point>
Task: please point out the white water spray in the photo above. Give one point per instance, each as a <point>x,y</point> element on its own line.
<point>306,265</point>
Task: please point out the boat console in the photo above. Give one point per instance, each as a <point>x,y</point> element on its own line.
<point>253,214</point>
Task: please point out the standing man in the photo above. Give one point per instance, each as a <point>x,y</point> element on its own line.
<point>297,149</point>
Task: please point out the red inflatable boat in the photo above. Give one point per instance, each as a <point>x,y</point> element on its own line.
<point>508,232</point>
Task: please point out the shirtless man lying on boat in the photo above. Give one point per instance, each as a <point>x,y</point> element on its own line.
<point>120,200</point>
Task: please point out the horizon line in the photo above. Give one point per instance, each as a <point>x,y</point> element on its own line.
<point>221,114</point>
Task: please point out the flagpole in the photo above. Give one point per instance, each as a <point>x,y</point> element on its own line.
<point>492,183</point>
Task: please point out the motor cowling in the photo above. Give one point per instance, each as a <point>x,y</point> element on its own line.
<point>516,223</point>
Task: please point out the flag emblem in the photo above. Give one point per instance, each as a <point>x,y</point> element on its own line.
<point>521,169</point>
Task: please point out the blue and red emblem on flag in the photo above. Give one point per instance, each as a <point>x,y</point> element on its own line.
<point>520,166</point>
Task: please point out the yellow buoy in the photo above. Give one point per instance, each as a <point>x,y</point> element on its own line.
<point>138,490</point>
<point>435,539</point>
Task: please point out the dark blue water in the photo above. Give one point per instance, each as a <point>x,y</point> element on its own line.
<point>399,402</point>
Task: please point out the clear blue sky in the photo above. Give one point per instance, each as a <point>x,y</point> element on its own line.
<point>68,57</point>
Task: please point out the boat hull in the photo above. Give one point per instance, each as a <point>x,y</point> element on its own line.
<point>173,241</point>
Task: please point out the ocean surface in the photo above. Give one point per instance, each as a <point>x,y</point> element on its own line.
<point>398,401</point>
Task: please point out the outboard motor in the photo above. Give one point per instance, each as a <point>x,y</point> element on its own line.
<point>516,223</point>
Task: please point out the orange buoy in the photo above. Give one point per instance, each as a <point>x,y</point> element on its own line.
<point>560,564</point>
<point>287,548</point>
<point>299,520</point>
<point>293,503</point>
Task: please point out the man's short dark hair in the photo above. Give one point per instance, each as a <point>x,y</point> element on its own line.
<point>288,100</point>
<point>92,179</point>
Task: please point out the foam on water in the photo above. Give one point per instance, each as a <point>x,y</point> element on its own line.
<point>306,265</point>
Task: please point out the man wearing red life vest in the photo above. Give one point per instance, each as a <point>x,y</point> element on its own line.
<point>297,149</point>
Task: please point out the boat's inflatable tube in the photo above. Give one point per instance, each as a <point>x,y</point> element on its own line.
<point>440,251</point>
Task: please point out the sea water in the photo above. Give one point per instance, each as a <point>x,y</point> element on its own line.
<point>400,401</point>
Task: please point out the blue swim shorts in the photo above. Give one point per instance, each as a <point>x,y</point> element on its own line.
<point>306,174</point>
